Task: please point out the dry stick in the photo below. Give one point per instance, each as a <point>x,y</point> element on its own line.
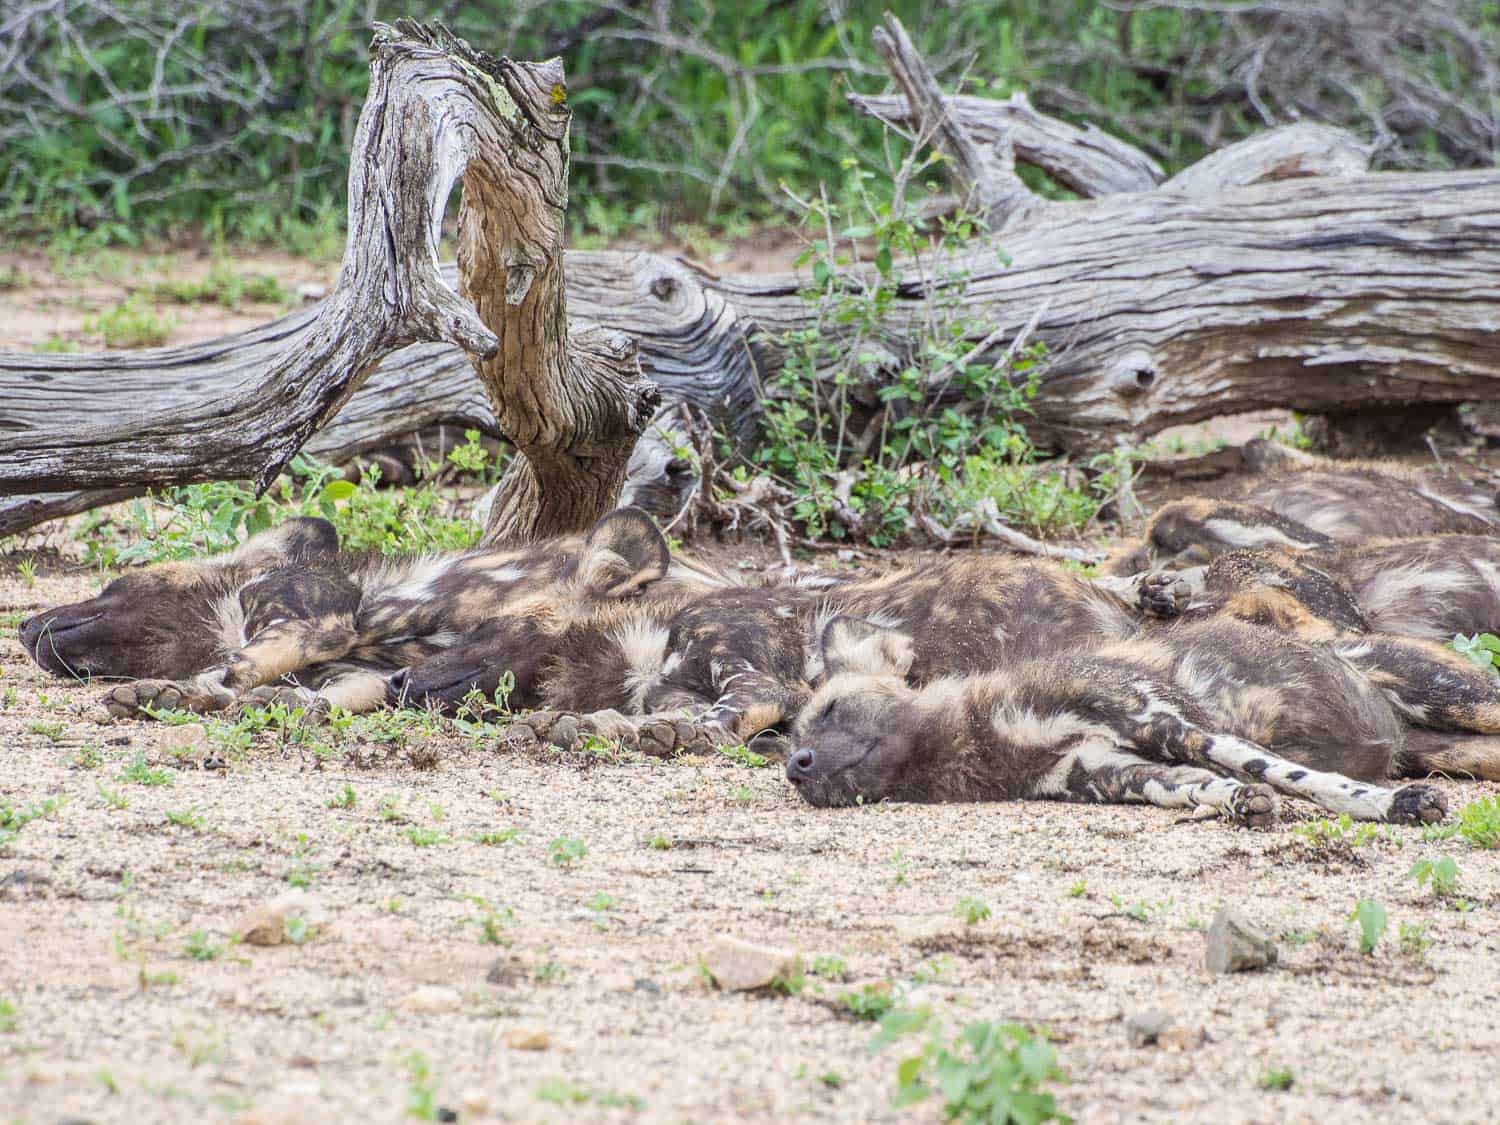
<point>987,176</point>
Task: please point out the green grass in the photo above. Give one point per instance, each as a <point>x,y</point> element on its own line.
<point>223,286</point>
<point>212,518</point>
<point>1479,822</point>
<point>130,324</point>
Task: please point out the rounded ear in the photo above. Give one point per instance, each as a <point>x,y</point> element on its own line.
<point>852,645</point>
<point>300,539</point>
<point>623,554</point>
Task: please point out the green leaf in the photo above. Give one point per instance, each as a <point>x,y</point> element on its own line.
<point>1370,915</point>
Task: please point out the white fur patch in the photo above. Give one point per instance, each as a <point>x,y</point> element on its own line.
<point>643,645</point>
<point>506,572</point>
<point>1398,599</point>
<point>411,580</point>
<point>229,621</point>
<point>1098,749</point>
<point>1459,506</point>
<point>1237,534</point>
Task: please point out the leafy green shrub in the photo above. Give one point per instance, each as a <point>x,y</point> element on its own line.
<point>130,324</point>
<point>1479,822</point>
<point>246,124</point>
<point>992,1072</point>
<point>870,426</point>
<point>210,518</point>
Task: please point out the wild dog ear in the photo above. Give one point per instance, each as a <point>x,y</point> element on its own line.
<point>623,554</point>
<point>297,540</point>
<point>862,647</point>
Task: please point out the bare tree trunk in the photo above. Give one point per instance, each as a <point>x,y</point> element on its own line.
<point>572,405</point>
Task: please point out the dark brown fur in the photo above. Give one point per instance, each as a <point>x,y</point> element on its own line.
<point>1309,503</point>
<point>1161,720</point>
<point>751,655</point>
<point>288,602</point>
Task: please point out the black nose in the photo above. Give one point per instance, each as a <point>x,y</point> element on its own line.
<point>799,765</point>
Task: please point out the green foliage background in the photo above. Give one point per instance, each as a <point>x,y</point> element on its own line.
<point>126,117</point>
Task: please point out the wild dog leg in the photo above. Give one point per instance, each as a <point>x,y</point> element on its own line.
<point>1165,594</point>
<point>657,735</point>
<point>125,700</point>
<point>1429,684</point>
<point>1119,777</point>
<point>1427,752</point>
<point>1161,728</point>
<point>290,619</point>
<point>750,701</point>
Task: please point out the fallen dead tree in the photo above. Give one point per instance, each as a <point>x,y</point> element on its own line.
<point>1277,272</point>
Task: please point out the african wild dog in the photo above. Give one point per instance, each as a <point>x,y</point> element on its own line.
<point>287,602</point>
<point>1220,715</point>
<point>1309,504</point>
<point>1429,685</point>
<point>746,658</point>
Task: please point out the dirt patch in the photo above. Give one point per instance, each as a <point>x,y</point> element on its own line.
<point>111,905</point>
<point>55,301</point>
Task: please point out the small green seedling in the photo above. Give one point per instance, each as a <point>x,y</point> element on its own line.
<point>1481,648</point>
<point>1479,823</point>
<point>972,910</point>
<point>1278,1078</point>
<point>565,851</point>
<point>1370,915</point>
<point>1441,874</point>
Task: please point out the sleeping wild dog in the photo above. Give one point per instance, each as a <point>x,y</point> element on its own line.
<point>1310,504</point>
<point>746,659</point>
<point>1217,716</point>
<point>288,603</point>
<point>1429,684</point>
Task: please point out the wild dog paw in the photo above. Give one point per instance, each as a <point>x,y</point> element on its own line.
<point>1164,595</point>
<point>666,736</point>
<point>1254,806</point>
<point>284,695</point>
<point>609,725</point>
<point>1417,804</point>
<point>132,700</point>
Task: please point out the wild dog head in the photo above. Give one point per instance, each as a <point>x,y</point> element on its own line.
<point>624,559</point>
<point>1188,533</point>
<point>623,554</point>
<point>163,620</point>
<point>856,739</point>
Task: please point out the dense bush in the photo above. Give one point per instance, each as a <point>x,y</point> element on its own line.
<point>127,116</point>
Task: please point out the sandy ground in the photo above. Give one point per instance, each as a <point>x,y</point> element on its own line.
<point>1096,915</point>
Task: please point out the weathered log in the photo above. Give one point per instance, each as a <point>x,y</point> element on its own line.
<point>1157,307</point>
<point>692,344</point>
<point>1087,160</point>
